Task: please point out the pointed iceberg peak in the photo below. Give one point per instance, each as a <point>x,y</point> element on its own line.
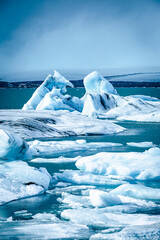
<point>55,81</point>
<point>61,82</point>
<point>96,82</point>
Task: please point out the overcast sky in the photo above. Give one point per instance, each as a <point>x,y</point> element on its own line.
<point>79,34</point>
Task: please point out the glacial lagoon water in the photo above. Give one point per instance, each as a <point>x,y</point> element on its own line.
<point>14,98</point>
<point>12,224</point>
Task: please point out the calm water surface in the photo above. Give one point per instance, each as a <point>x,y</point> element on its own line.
<point>15,98</point>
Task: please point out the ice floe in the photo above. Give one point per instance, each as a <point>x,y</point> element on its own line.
<point>142,144</point>
<point>137,191</point>
<point>100,198</point>
<point>101,219</point>
<point>41,124</point>
<point>141,166</point>
<point>79,177</point>
<point>49,229</point>
<point>48,148</point>
<point>147,232</point>
<point>18,180</point>
<point>55,160</point>
<point>135,109</point>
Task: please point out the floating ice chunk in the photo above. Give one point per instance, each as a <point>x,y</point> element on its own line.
<point>147,232</point>
<point>61,188</point>
<point>55,81</point>
<point>36,229</point>
<point>100,198</point>
<point>142,117</point>
<point>145,98</point>
<point>101,100</point>
<point>141,144</point>
<point>81,141</point>
<point>52,147</point>
<point>78,177</point>
<point>18,180</point>
<point>46,217</point>
<point>95,82</point>
<point>42,124</point>
<point>100,218</point>
<point>20,171</point>
<point>135,109</point>
<point>12,147</point>
<point>124,164</point>
<point>55,160</point>
<point>22,215</point>
<point>75,201</point>
<point>137,191</point>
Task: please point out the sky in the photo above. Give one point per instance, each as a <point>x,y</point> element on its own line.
<point>79,34</point>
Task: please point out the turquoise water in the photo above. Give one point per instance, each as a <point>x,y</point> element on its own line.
<point>15,98</point>
<point>135,132</point>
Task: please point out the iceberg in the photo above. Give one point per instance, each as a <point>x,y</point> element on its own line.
<point>12,147</point>
<point>102,100</point>
<point>18,180</point>
<point>55,81</point>
<point>135,109</point>
<point>100,95</point>
<point>96,82</point>
<point>124,164</point>
<point>49,95</point>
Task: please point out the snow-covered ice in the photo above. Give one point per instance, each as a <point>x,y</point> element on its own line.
<point>41,124</point>
<point>142,144</point>
<point>101,218</point>
<point>100,198</point>
<point>18,180</point>
<point>79,177</point>
<point>138,165</point>
<point>49,229</point>
<point>147,232</point>
<point>137,191</point>
<point>48,148</point>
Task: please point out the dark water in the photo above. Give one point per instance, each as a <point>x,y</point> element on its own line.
<point>15,98</point>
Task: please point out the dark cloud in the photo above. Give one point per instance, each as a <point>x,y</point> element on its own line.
<point>40,34</point>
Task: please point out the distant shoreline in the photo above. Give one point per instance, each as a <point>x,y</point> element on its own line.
<point>77,83</point>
